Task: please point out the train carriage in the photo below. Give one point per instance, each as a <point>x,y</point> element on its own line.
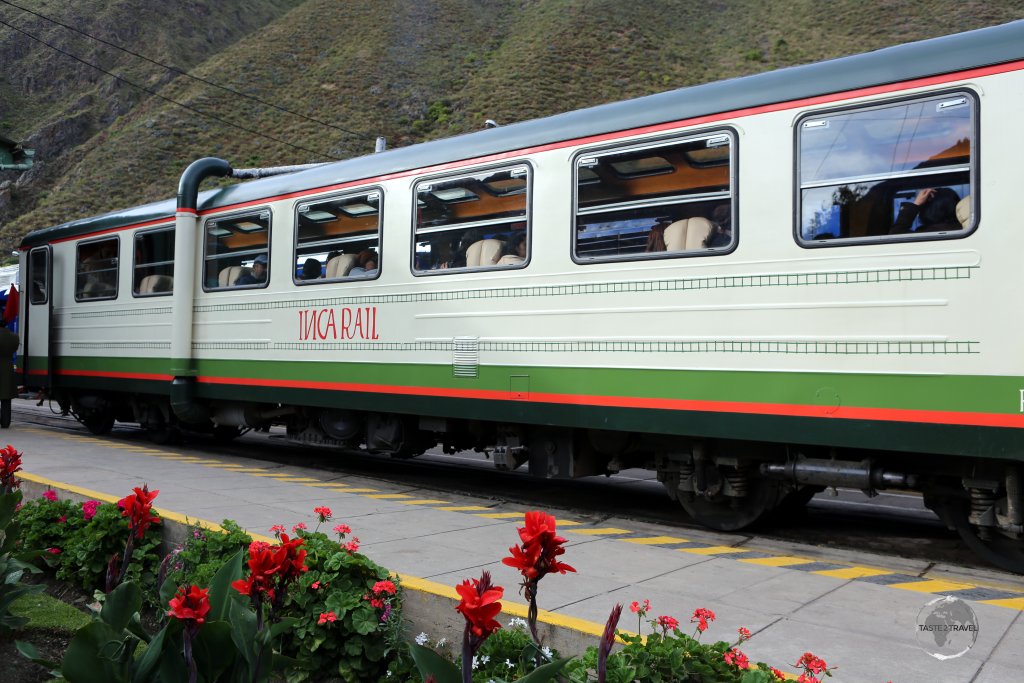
<point>758,288</point>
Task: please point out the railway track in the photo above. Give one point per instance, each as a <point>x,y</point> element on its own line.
<point>896,525</point>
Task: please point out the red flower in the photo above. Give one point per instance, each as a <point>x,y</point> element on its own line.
<point>541,545</point>
<point>479,605</point>
<point>277,530</point>
<point>300,525</point>
<point>668,623</point>
<point>384,587</point>
<point>190,604</point>
<point>10,462</point>
<point>315,585</point>
<point>89,509</point>
<point>807,678</point>
<point>744,634</point>
<point>137,509</point>
<point>778,674</point>
<point>50,495</point>
<point>635,607</point>
<point>812,664</point>
<point>53,551</point>
<point>702,616</point>
<point>327,617</point>
<point>737,658</point>
<point>352,546</point>
<point>291,559</point>
<point>323,512</point>
<point>269,563</point>
<point>62,519</point>
<point>342,529</point>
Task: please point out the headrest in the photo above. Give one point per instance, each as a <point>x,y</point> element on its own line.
<point>156,283</point>
<point>228,275</point>
<point>963,211</point>
<point>484,253</point>
<point>688,233</point>
<point>340,265</point>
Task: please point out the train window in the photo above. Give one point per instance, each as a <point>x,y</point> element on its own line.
<point>657,200</point>
<point>895,171</point>
<point>96,269</point>
<point>153,274</point>
<point>473,221</point>
<point>237,251</point>
<point>37,275</point>
<point>338,238</point>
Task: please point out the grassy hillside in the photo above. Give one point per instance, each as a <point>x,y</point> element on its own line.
<point>410,71</point>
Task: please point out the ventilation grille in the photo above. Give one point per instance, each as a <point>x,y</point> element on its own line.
<point>466,356</point>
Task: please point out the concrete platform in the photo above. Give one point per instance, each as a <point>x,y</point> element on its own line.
<point>856,611</point>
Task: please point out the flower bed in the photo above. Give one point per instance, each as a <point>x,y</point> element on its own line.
<point>309,606</point>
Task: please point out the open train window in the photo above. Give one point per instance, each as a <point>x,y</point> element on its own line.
<point>473,221</point>
<point>898,171</point>
<point>656,200</point>
<point>153,272</point>
<point>96,269</point>
<point>338,238</point>
<point>236,251</point>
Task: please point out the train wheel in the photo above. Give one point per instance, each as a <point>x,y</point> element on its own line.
<point>160,429</point>
<point>794,502</point>
<point>5,413</point>
<point>226,433</point>
<point>716,510</point>
<point>994,547</point>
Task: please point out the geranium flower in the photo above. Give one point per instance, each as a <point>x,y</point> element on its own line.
<point>190,604</point>
<point>53,551</point>
<point>315,585</point>
<point>744,634</point>
<point>50,495</point>
<point>667,623</point>
<point>300,525</point>
<point>352,546</point>
<point>323,512</point>
<point>736,658</point>
<point>778,674</point>
<point>384,587</point>
<point>327,617</point>
<point>277,529</point>
<point>636,608</point>
<point>62,519</point>
<point>479,605</point>
<point>702,616</point>
<point>342,529</point>
<point>137,509</point>
<point>89,509</point>
<point>812,664</point>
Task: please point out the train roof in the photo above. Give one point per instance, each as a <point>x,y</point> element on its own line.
<point>948,54</point>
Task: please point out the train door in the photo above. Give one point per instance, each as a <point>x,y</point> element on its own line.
<point>37,358</point>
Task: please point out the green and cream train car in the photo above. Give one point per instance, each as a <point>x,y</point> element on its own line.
<point>757,287</point>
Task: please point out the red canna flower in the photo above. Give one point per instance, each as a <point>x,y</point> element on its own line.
<point>540,546</point>
<point>327,617</point>
<point>479,605</point>
<point>137,508</point>
<point>190,604</point>
<point>323,512</point>
<point>668,623</point>
<point>702,616</point>
<point>10,463</point>
<point>736,658</point>
<point>291,559</point>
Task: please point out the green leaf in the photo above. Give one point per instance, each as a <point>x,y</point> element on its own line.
<point>430,663</point>
<point>214,650</point>
<point>29,651</point>
<point>121,604</point>
<point>547,672</point>
<point>146,665</point>
<point>97,654</point>
<point>222,595</point>
<point>8,504</point>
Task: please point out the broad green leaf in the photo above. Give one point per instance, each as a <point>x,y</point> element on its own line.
<point>547,672</point>
<point>222,595</point>
<point>121,603</point>
<point>430,663</point>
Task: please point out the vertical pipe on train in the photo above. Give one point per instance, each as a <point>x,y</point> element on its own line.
<point>186,231</point>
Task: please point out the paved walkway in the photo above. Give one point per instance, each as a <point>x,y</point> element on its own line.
<point>857,612</point>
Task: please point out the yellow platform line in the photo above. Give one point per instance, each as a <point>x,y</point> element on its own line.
<point>387,496</point>
<point>424,501</point>
<point>714,550</point>
<point>206,462</point>
<point>931,586</point>
<point>463,508</point>
<point>360,490</point>
<point>779,561</point>
<point>243,470</point>
<point>604,531</point>
<point>229,466</point>
<point>329,485</point>
<point>290,479</point>
<point>852,572</point>
<point>655,540</point>
<point>268,474</point>
<point>1012,603</point>
<point>501,515</point>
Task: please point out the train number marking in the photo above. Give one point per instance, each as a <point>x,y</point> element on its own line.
<point>348,323</point>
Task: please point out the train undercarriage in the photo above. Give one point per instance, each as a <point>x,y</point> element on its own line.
<point>725,485</point>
